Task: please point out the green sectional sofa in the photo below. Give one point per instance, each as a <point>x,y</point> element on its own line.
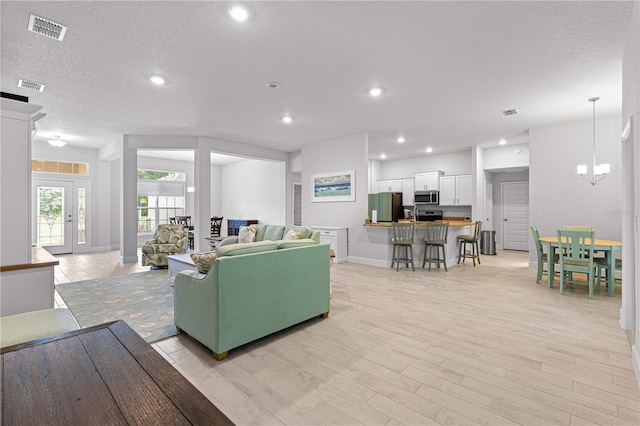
<point>275,233</point>
<point>251,291</point>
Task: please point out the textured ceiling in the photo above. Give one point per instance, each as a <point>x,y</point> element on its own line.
<point>448,69</point>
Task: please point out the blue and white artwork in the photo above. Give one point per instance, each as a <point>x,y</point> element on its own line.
<point>333,187</point>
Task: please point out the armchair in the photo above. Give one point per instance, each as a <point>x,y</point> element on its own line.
<point>168,239</point>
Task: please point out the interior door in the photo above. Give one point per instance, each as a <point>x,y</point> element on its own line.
<point>53,210</point>
<point>515,214</point>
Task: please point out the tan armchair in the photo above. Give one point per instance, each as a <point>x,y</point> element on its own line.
<point>168,239</point>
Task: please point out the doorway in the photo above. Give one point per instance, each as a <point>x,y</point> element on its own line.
<point>515,215</point>
<point>297,204</point>
<point>60,215</point>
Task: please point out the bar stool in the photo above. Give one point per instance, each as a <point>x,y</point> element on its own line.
<point>402,240</point>
<point>436,238</point>
<point>474,240</point>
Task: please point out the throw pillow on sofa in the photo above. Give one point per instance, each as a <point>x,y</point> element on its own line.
<point>203,261</point>
<point>292,234</point>
<point>247,234</point>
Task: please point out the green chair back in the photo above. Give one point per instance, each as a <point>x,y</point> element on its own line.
<point>576,248</point>
<point>576,228</point>
<point>536,236</point>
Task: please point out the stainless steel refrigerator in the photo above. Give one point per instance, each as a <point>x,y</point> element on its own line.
<point>388,206</point>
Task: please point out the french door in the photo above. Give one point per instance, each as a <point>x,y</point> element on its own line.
<point>60,215</point>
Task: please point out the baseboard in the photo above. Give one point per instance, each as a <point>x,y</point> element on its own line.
<point>115,247</point>
<point>635,355</point>
<point>370,262</point>
<point>101,248</point>
<point>128,259</point>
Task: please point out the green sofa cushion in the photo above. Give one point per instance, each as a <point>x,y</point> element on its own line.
<point>283,244</point>
<point>304,231</point>
<point>273,233</point>
<point>245,248</point>
<point>260,230</point>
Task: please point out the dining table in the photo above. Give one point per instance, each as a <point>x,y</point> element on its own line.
<point>106,374</point>
<point>609,247</point>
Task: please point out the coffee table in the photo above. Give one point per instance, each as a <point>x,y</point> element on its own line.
<point>179,262</point>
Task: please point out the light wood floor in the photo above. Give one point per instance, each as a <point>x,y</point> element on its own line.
<point>475,345</point>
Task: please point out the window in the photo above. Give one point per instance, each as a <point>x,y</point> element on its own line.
<point>160,196</point>
<point>52,166</point>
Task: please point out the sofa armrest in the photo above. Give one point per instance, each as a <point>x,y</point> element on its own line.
<point>315,236</point>
<point>227,241</point>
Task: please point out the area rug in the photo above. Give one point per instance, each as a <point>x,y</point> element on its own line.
<point>144,300</point>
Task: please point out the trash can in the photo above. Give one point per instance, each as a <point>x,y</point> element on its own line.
<point>488,242</point>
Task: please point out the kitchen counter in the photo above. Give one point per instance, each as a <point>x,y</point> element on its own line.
<point>377,237</point>
<point>420,224</point>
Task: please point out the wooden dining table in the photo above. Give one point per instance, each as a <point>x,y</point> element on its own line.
<point>609,247</point>
<point>99,375</point>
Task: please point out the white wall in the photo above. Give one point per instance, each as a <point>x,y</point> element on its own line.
<point>557,194</point>
<point>338,155</point>
<point>631,109</point>
<point>506,156</point>
<point>254,189</point>
<point>455,163</point>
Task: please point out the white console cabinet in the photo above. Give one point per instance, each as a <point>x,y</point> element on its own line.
<point>338,240</point>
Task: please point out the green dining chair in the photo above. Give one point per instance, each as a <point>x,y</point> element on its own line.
<point>574,257</point>
<point>602,271</point>
<point>543,257</point>
<point>577,228</point>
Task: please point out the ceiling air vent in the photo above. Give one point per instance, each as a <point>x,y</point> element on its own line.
<point>47,28</point>
<point>507,112</point>
<point>31,85</point>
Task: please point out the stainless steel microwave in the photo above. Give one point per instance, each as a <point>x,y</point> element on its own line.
<point>427,197</point>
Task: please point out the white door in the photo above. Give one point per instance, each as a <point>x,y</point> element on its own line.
<point>60,215</point>
<point>515,214</point>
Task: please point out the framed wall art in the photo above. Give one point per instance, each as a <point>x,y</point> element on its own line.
<point>333,187</point>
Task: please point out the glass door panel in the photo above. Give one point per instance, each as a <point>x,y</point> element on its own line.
<point>54,216</point>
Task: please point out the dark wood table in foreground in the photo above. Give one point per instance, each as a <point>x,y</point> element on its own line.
<point>105,374</point>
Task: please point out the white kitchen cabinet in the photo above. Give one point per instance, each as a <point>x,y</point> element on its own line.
<point>427,181</point>
<point>338,240</point>
<point>408,190</point>
<point>456,190</point>
<point>390,185</point>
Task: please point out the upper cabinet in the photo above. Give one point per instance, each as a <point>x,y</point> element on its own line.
<point>391,185</point>
<point>427,181</point>
<point>408,190</point>
<point>456,190</point>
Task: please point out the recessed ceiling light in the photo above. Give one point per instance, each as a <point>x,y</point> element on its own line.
<point>156,79</point>
<point>502,142</point>
<point>400,139</point>
<point>375,91</point>
<point>273,85</point>
<point>383,156</point>
<point>287,119</point>
<point>56,142</point>
<point>429,150</point>
<point>239,12</point>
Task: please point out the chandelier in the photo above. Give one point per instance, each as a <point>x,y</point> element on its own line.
<point>599,171</point>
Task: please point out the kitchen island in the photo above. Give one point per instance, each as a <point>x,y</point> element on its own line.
<point>379,236</point>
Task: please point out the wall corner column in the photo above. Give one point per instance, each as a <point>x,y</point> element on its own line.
<point>128,203</point>
<point>202,194</point>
